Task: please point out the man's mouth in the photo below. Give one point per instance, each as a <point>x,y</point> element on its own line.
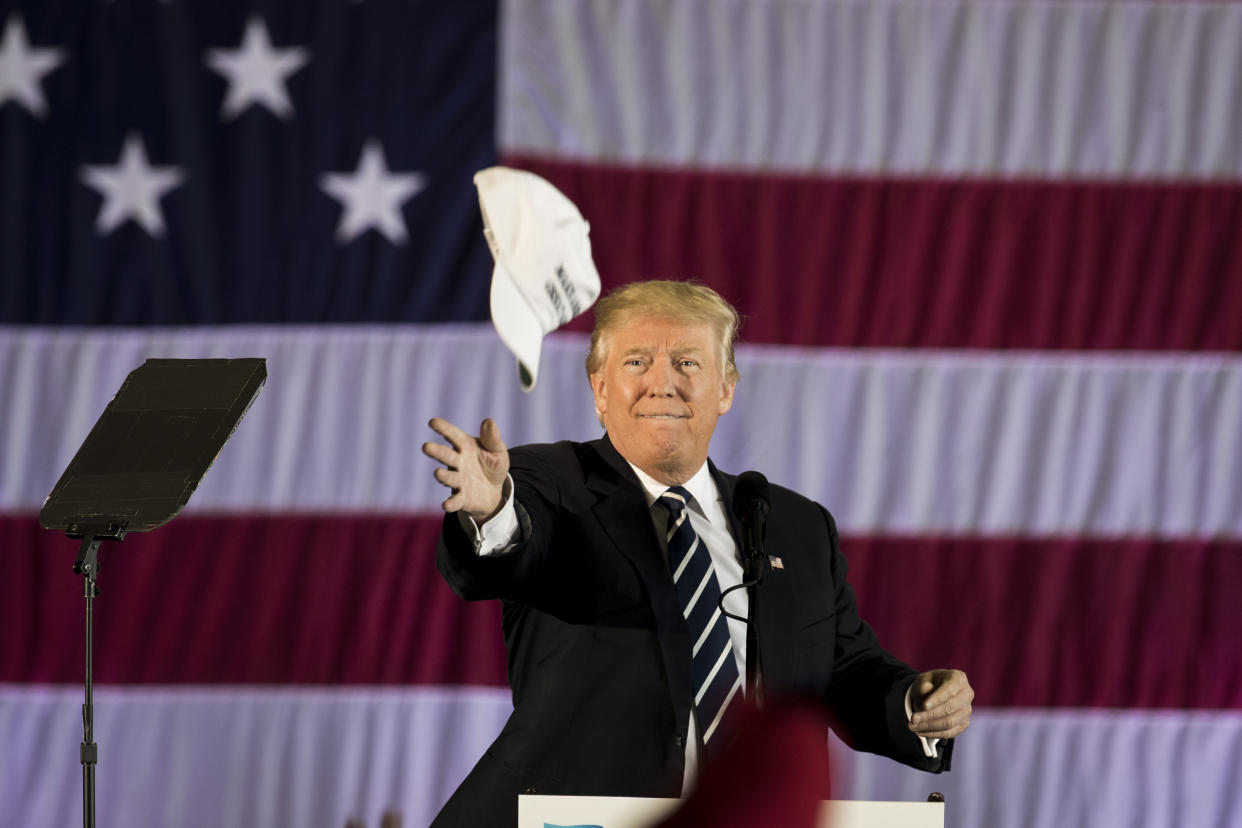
<point>663,416</point>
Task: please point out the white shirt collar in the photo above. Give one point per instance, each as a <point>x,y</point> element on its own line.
<point>702,487</point>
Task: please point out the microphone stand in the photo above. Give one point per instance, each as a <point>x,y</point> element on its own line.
<point>750,507</point>
<point>752,577</point>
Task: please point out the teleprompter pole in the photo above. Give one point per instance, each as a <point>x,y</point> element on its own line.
<point>87,565</point>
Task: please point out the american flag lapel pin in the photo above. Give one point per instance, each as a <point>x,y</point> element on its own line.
<point>776,562</point>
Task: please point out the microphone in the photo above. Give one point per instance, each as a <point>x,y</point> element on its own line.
<point>750,505</point>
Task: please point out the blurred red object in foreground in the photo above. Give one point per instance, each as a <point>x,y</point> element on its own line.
<point>774,773</point>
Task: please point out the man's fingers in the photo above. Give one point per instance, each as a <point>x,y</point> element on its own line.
<point>443,454</point>
<point>944,708</point>
<point>950,684</point>
<point>940,697</point>
<point>953,706</point>
<point>456,437</point>
<point>941,722</point>
<point>941,726</point>
<point>471,466</point>
<point>949,733</point>
<point>941,719</point>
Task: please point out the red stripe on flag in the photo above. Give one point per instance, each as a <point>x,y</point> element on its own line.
<point>351,599</point>
<point>1062,622</point>
<point>254,599</point>
<point>879,262</point>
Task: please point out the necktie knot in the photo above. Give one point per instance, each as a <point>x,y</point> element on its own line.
<point>675,499</point>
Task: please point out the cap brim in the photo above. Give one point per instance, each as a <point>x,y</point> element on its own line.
<point>517,325</point>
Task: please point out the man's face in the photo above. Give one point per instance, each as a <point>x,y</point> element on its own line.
<point>659,391</point>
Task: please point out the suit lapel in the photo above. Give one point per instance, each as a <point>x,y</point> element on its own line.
<point>623,515</point>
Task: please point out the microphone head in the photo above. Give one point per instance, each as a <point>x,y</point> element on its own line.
<point>750,493</point>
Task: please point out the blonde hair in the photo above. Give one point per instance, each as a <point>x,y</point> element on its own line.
<point>685,302</point>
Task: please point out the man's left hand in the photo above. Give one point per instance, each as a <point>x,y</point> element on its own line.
<point>941,700</point>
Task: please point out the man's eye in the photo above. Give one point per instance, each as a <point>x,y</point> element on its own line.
<point>689,363</point>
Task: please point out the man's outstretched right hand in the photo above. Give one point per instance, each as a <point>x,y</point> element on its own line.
<point>474,467</point>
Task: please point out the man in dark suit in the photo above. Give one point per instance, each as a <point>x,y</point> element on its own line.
<point>624,683</point>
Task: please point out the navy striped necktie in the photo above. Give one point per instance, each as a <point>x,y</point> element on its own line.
<point>713,668</point>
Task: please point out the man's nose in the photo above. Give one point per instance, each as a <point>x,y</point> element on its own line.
<point>662,380</point>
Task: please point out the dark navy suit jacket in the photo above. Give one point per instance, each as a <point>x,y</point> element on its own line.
<point>599,652</point>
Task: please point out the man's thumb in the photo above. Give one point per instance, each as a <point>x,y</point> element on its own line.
<point>489,436</point>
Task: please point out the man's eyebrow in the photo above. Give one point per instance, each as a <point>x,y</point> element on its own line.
<point>686,348</point>
<point>676,349</point>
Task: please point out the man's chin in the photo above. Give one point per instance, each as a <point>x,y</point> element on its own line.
<point>668,460</point>
<point>666,436</point>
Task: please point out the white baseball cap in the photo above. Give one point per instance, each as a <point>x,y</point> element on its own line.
<point>544,274</point>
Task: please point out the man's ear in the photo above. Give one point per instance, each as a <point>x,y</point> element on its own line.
<point>597,389</point>
<point>726,397</point>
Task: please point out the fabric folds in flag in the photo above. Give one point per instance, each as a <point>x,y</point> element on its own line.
<point>988,258</point>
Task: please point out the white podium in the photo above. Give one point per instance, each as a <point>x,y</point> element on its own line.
<point>536,811</point>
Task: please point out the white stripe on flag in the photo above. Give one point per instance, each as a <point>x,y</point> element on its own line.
<point>1138,90</point>
<point>1055,767</point>
<point>200,756</point>
<point>1038,444</point>
<point>307,753</point>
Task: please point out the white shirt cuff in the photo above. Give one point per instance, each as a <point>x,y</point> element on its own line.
<point>929,745</point>
<point>500,532</point>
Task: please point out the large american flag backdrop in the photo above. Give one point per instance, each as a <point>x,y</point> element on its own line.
<point>990,256</point>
